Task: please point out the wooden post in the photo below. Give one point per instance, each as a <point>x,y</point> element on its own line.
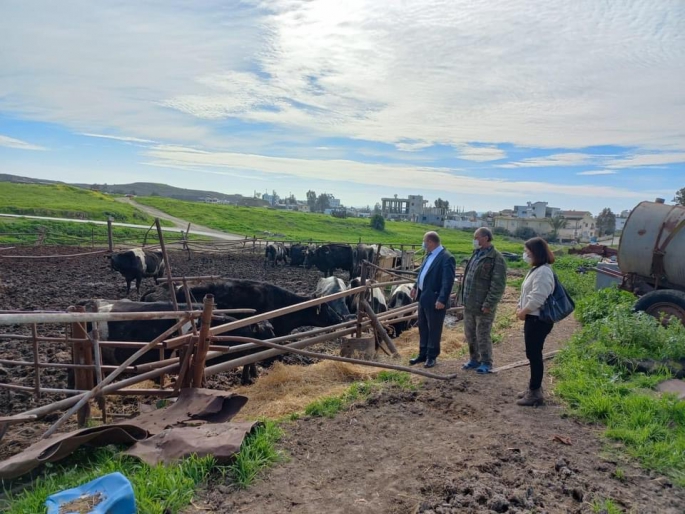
<point>34,334</point>
<point>203,343</point>
<point>380,330</point>
<point>92,238</point>
<point>167,265</point>
<point>359,301</point>
<point>95,338</point>
<point>184,379</point>
<point>80,375</point>
<point>110,237</point>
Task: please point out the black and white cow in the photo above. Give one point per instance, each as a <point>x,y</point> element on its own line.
<point>136,264</point>
<point>145,331</point>
<point>362,252</point>
<point>375,297</point>
<point>331,285</point>
<point>275,253</point>
<point>400,296</point>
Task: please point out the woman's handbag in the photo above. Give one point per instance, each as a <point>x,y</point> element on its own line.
<point>558,305</point>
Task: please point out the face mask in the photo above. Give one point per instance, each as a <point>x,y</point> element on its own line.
<point>423,246</point>
<point>476,244</point>
<point>527,259</point>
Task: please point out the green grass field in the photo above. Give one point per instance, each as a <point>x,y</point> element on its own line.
<point>316,227</point>
<point>66,202</point>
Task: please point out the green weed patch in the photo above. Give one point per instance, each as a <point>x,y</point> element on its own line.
<point>651,426</point>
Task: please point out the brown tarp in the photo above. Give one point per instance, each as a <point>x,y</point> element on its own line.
<point>194,408</point>
<point>222,440</point>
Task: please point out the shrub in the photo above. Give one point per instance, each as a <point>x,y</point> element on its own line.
<point>525,233</point>
<point>602,303</point>
<point>501,231</point>
<point>377,222</point>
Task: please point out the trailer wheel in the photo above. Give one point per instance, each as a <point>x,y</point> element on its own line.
<point>668,303</point>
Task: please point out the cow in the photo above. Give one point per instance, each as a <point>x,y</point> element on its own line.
<point>298,253</point>
<point>264,297</point>
<point>400,296</point>
<point>145,331</point>
<point>275,253</point>
<point>362,252</point>
<point>330,257</point>
<point>374,297</point>
<point>137,264</point>
<point>331,285</point>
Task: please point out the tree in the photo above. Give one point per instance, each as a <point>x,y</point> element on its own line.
<point>377,222</point>
<point>442,204</point>
<point>606,222</point>
<point>680,197</point>
<point>322,203</point>
<point>377,208</point>
<point>311,200</point>
<point>557,223</point>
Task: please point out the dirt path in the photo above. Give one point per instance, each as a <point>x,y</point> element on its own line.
<point>180,223</point>
<point>460,446</point>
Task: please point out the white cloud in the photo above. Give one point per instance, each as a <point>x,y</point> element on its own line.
<point>412,147</point>
<point>339,170</point>
<point>387,71</point>
<point>654,159</point>
<point>481,153</point>
<point>120,138</point>
<point>18,144</point>
<point>560,159</point>
<point>597,172</point>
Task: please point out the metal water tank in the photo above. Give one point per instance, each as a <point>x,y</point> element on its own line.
<point>654,228</point>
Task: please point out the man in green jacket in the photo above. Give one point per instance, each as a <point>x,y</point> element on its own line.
<point>485,278</point>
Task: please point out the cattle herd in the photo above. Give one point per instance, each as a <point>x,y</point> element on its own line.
<point>233,293</point>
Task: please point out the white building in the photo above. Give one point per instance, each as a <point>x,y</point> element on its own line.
<point>535,210</point>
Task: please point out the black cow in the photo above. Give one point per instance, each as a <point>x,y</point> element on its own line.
<point>298,253</point>
<point>275,253</point>
<point>362,252</point>
<point>374,297</point>
<point>331,285</point>
<point>263,297</point>
<point>137,264</point>
<point>330,257</point>
<point>145,331</point>
<point>400,296</point>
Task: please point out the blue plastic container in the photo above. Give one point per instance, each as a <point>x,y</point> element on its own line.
<point>115,490</point>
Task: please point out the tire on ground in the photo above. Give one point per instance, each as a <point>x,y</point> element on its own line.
<point>670,301</point>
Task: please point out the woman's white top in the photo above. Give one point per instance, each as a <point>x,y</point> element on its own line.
<point>537,286</point>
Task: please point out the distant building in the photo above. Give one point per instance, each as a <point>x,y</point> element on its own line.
<point>536,210</point>
<point>512,224</point>
<point>580,226</point>
<point>407,209</point>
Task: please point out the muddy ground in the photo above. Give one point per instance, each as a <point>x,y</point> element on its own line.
<point>461,446</point>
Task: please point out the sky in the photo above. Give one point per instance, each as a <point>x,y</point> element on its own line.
<point>486,104</point>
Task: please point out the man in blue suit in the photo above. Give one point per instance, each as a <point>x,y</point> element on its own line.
<point>432,290</point>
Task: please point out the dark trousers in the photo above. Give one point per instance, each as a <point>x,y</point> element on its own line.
<point>431,321</point>
<point>535,332</point>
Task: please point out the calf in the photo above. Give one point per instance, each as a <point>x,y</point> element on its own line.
<point>275,253</point>
<point>332,285</point>
<point>374,297</point>
<point>137,264</point>
<point>400,296</point>
<point>145,331</point>
<point>264,297</point>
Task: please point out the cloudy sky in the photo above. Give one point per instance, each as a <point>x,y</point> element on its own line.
<point>486,104</point>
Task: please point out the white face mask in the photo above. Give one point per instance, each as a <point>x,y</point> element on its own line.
<point>476,244</point>
<point>423,246</point>
<point>526,258</point>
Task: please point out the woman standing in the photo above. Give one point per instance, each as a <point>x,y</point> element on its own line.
<point>537,286</point>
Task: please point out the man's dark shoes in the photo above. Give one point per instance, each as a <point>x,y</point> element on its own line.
<point>417,360</point>
<point>430,362</point>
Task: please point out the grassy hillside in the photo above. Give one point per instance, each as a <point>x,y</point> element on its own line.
<point>64,201</point>
<point>22,231</point>
<point>318,227</point>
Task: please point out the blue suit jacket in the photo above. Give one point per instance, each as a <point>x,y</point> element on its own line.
<point>439,280</point>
